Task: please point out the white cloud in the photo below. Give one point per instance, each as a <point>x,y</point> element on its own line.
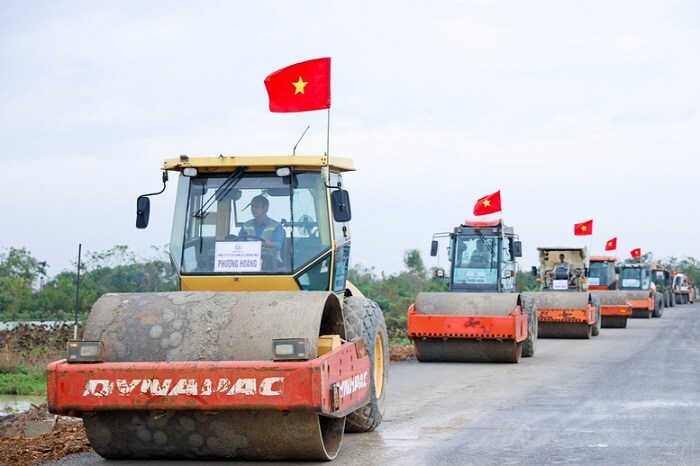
<point>574,111</point>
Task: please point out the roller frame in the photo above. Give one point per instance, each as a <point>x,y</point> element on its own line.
<point>467,327</point>
<point>641,303</point>
<point>614,309</point>
<point>313,385</point>
<point>486,327</point>
<point>569,316</point>
<point>641,307</point>
<point>573,321</point>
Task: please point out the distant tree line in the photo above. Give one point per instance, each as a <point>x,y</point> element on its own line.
<point>27,293</point>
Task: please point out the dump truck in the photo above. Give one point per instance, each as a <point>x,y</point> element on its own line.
<point>481,318</point>
<point>662,279</point>
<point>565,307</point>
<point>602,280</point>
<point>683,289</point>
<point>642,296</point>
<point>266,352</point>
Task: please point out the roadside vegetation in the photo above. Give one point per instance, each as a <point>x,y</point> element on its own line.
<point>27,293</point>
<point>25,350</point>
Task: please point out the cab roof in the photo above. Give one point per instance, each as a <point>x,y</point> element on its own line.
<point>635,266</point>
<point>560,248</point>
<point>226,163</point>
<point>603,259</point>
<point>482,223</point>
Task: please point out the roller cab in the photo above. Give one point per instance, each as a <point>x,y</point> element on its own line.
<point>565,308</point>
<point>640,291</point>
<point>683,290</point>
<point>266,352</point>
<point>602,280</point>
<point>480,318</point>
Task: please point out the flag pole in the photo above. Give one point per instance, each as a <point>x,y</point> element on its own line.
<point>77,296</point>
<point>328,134</point>
<point>325,171</point>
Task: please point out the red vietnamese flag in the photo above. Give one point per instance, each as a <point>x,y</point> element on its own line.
<point>488,204</point>
<point>636,252</point>
<point>611,245</point>
<point>300,87</point>
<point>582,229</point>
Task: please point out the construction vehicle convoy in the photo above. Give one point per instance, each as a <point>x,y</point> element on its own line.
<point>481,318</point>
<point>267,352</point>
<point>641,294</point>
<point>565,308</point>
<point>602,280</point>
<point>662,279</point>
<point>683,289</point>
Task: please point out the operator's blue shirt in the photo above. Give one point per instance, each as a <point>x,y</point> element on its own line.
<point>277,234</point>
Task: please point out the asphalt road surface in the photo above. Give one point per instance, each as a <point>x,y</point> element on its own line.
<point>627,397</point>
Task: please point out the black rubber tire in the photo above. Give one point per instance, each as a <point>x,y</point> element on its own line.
<point>527,303</point>
<point>658,306</point>
<point>595,328</point>
<point>364,318</point>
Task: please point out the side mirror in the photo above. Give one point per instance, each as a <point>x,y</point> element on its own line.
<point>143,211</point>
<point>143,204</point>
<point>433,248</point>
<point>534,270</point>
<point>340,203</point>
<point>517,249</point>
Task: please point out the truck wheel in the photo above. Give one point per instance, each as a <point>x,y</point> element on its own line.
<point>595,330</point>
<point>658,307</point>
<point>364,318</point>
<point>528,306</point>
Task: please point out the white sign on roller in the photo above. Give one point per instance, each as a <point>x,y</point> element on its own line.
<point>237,256</point>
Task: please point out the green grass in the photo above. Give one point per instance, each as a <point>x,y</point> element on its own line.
<point>400,342</point>
<point>23,381</point>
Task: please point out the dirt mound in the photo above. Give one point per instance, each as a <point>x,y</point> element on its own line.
<point>19,446</point>
<point>402,353</point>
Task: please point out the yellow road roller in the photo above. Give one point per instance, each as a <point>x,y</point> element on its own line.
<point>267,352</point>
<point>565,308</point>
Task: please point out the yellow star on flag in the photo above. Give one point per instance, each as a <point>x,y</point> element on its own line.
<point>299,86</point>
<point>610,243</point>
<point>486,202</point>
<point>583,228</point>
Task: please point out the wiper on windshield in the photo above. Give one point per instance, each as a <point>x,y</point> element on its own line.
<point>225,188</point>
<point>483,238</point>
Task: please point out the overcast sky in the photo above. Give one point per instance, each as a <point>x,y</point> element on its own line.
<point>574,110</point>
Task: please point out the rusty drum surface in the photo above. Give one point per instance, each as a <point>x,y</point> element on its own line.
<point>467,349</point>
<point>209,326</point>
